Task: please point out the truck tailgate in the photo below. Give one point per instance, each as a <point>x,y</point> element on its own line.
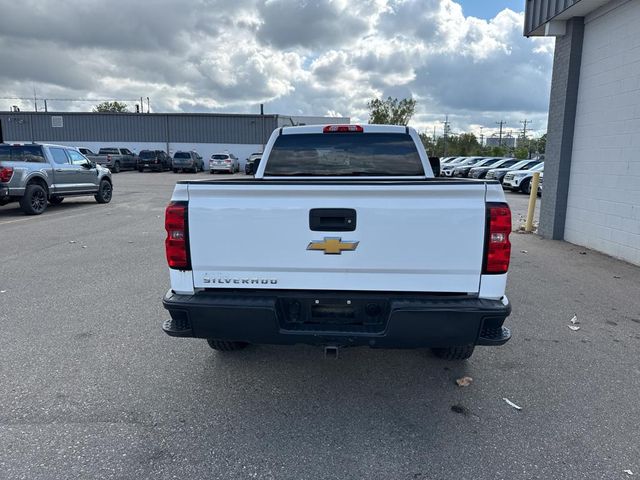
<point>412,236</point>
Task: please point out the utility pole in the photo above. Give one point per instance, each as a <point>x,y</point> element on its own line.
<point>434,136</point>
<point>525,142</point>
<point>502,123</point>
<point>481,137</point>
<point>524,123</point>
<point>524,128</point>
<point>35,99</point>
<point>148,105</point>
<point>446,132</point>
<point>46,109</point>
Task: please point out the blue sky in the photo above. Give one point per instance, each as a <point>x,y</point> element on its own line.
<point>489,8</point>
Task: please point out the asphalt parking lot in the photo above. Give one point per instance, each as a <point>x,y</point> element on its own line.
<point>90,387</point>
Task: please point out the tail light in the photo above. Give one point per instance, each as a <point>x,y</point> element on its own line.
<point>497,246</point>
<point>5,174</point>
<point>227,161</point>
<point>177,242</point>
<point>342,129</point>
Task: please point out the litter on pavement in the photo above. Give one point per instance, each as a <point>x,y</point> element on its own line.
<point>464,381</point>
<point>510,403</point>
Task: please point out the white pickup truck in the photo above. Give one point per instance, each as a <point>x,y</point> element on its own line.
<point>342,238</point>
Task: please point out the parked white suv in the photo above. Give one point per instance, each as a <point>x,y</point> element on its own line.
<point>520,179</point>
<point>224,162</point>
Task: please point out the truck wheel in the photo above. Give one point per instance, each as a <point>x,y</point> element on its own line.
<point>105,192</point>
<point>225,346</point>
<point>116,167</point>
<point>454,353</point>
<point>141,170</point>
<point>56,200</point>
<point>524,186</point>
<point>34,201</point>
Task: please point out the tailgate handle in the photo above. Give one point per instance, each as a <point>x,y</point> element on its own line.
<point>332,219</point>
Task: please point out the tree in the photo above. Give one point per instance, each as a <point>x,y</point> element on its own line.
<point>427,142</point>
<point>541,144</point>
<point>467,144</point>
<point>497,151</point>
<point>521,153</point>
<point>111,107</point>
<point>391,111</point>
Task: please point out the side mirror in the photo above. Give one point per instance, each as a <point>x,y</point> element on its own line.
<point>435,165</point>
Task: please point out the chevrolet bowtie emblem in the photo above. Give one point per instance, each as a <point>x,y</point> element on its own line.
<point>333,246</point>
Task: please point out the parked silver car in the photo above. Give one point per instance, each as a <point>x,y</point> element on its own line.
<point>37,174</point>
<point>224,162</point>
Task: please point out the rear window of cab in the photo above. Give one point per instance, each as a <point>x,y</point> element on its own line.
<point>344,154</point>
<point>21,153</point>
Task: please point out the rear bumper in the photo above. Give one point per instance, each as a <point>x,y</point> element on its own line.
<point>375,319</point>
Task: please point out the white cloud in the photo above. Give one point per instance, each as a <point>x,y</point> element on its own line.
<point>302,57</point>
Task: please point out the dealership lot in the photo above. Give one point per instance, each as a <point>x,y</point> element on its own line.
<point>92,388</point>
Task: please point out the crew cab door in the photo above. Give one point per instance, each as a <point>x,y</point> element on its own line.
<point>86,174</point>
<point>128,158</point>
<point>65,178</point>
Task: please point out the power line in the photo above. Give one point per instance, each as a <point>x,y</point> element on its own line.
<point>75,99</point>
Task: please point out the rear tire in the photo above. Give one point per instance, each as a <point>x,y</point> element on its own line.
<point>56,200</point>
<point>34,200</point>
<point>105,192</point>
<point>141,170</point>
<point>225,345</point>
<point>116,167</point>
<point>175,170</point>
<point>454,353</point>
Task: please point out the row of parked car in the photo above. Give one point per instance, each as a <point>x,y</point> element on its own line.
<point>118,159</point>
<point>512,173</point>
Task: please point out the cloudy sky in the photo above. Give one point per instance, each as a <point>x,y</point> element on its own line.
<point>464,58</point>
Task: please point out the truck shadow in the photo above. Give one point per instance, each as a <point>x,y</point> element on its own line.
<point>406,388</point>
<point>363,407</point>
<point>13,211</point>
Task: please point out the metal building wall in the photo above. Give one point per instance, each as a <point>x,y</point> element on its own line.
<point>165,128</point>
<point>538,12</point>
